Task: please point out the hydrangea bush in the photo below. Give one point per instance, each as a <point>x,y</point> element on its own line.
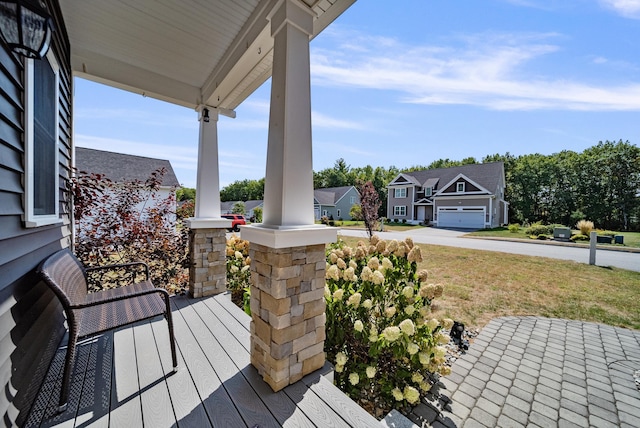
<point>387,348</point>
<point>238,270</point>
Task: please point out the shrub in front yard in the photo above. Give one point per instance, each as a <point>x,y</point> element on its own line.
<point>537,229</point>
<point>386,346</point>
<point>585,227</point>
<point>514,228</point>
<point>127,222</point>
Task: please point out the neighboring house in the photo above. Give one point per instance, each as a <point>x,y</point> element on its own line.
<point>335,202</point>
<point>250,206</point>
<point>468,196</point>
<point>121,168</point>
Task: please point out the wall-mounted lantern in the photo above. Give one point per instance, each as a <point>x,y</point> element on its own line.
<point>26,27</point>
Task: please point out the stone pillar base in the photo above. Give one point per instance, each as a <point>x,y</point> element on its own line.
<point>287,311</point>
<point>208,271</point>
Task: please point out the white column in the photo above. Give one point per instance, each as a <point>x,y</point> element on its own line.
<point>207,211</point>
<point>288,194</point>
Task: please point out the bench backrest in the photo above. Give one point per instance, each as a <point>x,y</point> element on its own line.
<point>66,276</point>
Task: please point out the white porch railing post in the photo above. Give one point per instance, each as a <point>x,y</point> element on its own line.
<point>207,237</point>
<point>287,250</point>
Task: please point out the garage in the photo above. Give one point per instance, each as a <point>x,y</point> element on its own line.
<point>461,217</point>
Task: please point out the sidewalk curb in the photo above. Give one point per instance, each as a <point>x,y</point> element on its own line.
<point>555,243</point>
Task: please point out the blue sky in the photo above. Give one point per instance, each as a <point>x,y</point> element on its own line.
<point>405,83</point>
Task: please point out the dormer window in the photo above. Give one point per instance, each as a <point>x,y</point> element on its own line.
<point>427,191</point>
<point>460,187</point>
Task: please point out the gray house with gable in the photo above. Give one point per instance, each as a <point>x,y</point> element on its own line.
<point>468,196</point>
<point>335,202</point>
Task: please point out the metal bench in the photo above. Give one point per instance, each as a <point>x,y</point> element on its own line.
<point>92,313</point>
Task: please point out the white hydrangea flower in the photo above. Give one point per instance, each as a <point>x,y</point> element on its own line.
<point>358,326</point>
<point>371,372</point>
<point>417,377</point>
<point>411,394</point>
<point>354,378</point>
<point>397,394</point>
<point>391,334</point>
<point>378,278</point>
<point>409,310</point>
<point>341,358</point>
<point>408,327</point>
<point>412,348</point>
<point>407,291</point>
<point>367,304</point>
<point>337,295</point>
<point>354,299</point>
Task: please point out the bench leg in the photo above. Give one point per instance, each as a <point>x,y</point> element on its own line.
<point>172,338</point>
<point>68,368</point>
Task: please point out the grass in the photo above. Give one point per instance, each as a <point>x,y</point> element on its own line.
<point>481,285</point>
<point>631,239</point>
<point>388,227</point>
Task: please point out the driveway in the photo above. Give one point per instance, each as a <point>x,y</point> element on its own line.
<point>454,238</point>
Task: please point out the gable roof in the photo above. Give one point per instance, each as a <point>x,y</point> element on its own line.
<point>120,167</point>
<point>487,175</point>
<point>330,195</point>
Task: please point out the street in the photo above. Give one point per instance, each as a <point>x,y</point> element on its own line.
<point>451,238</point>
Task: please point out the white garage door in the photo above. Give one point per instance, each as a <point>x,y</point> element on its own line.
<point>467,218</point>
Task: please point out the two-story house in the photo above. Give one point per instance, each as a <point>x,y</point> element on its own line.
<point>468,196</point>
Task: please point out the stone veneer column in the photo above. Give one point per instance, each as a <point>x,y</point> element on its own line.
<point>208,270</point>
<point>287,311</point>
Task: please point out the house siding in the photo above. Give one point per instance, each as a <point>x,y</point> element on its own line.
<point>344,204</point>
<point>392,201</point>
<point>31,320</point>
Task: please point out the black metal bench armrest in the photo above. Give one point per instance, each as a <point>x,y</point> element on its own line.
<point>117,266</point>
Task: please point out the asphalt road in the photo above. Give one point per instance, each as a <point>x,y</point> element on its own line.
<point>451,238</point>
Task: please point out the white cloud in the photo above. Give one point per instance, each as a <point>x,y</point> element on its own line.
<point>487,70</point>
<point>320,120</point>
<point>626,8</point>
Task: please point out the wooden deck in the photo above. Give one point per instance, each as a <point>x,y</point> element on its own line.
<point>125,378</point>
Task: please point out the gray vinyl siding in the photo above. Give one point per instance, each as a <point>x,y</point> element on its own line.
<point>31,321</point>
<point>344,204</point>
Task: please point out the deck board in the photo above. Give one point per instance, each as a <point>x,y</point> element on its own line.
<point>126,378</point>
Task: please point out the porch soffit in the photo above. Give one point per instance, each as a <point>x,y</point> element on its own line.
<point>188,53</point>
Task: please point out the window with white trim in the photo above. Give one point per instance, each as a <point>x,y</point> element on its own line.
<point>353,200</point>
<point>400,210</point>
<point>338,213</point>
<point>460,187</point>
<point>400,192</point>
<point>41,137</point>
<point>427,191</point>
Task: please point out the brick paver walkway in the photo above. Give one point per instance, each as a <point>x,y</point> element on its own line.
<point>532,371</point>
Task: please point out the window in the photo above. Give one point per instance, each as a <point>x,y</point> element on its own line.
<point>353,200</point>
<point>41,135</point>
<point>400,193</point>
<point>338,213</point>
<point>324,213</point>
<point>400,210</point>
<point>460,187</point>
<point>427,191</point>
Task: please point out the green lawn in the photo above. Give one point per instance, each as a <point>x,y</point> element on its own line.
<point>631,239</point>
<point>481,285</point>
<point>388,227</point>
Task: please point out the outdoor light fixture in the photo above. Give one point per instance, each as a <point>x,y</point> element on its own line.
<point>26,27</point>
<point>205,115</point>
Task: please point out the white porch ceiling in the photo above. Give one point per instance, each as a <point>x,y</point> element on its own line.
<point>187,52</point>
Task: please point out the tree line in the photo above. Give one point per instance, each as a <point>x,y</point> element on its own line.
<point>601,184</point>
